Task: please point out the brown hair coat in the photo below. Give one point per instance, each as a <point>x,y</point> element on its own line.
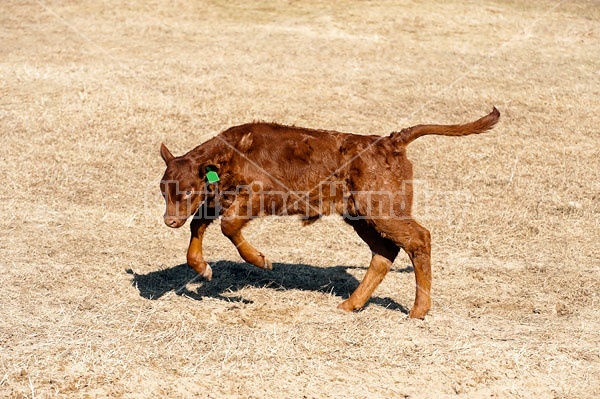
<point>270,169</point>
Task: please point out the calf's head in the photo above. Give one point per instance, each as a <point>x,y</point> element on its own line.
<point>182,186</point>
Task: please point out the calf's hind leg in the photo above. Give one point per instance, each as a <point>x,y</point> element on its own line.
<point>384,252</point>
<point>416,241</point>
<point>231,226</point>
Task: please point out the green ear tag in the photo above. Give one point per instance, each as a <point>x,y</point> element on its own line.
<point>212,176</point>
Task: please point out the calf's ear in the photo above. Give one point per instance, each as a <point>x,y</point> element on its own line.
<point>245,142</point>
<point>165,153</point>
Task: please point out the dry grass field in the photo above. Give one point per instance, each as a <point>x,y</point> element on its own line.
<point>97,300</point>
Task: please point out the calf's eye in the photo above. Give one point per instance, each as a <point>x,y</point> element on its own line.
<point>188,193</point>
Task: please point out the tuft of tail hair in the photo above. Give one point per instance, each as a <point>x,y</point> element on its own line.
<point>481,125</point>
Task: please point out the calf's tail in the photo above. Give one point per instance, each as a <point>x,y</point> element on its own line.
<point>481,125</point>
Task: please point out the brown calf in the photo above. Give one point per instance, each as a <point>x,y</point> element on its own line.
<point>261,169</point>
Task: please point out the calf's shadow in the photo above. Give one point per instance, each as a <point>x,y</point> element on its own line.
<point>231,277</point>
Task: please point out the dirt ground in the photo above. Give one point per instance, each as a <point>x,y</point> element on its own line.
<point>97,300</point>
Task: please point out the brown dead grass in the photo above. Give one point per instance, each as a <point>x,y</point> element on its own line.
<point>96,302</point>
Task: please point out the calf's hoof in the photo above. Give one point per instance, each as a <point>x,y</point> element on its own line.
<point>265,262</point>
<point>268,264</point>
<point>207,273</point>
<point>347,306</point>
<point>202,268</point>
<point>418,313</point>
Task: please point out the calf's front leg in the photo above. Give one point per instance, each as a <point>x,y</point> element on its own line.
<point>231,226</point>
<point>195,259</point>
<point>384,253</point>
